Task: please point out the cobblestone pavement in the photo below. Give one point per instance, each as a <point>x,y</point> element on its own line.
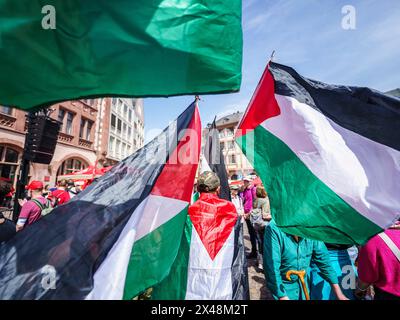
<point>258,290</point>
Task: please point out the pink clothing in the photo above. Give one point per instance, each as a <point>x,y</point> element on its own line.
<point>30,212</point>
<point>248,195</point>
<point>377,264</point>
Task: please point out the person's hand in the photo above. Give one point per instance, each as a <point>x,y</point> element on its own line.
<point>342,297</point>
<point>338,292</point>
<point>22,202</point>
<point>284,298</point>
<point>359,294</point>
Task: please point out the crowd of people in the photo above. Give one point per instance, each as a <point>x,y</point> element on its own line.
<point>39,201</point>
<point>322,271</point>
<point>295,268</point>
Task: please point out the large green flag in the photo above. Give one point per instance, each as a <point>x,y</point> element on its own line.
<point>54,50</point>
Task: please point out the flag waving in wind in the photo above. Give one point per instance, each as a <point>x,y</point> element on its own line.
<point>135,48</point>
<point>118,237</point>
<point>329,156</point>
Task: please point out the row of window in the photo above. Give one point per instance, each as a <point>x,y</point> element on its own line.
<point>229,145</point>
<point>122,109</point>
<point>121,128</point>
<point>119,149</point>
<point>66,119</point>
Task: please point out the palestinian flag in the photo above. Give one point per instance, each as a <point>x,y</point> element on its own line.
<point>329,156</point>
<point>211,263</point>
<point>119,236</point>
<point>77,49</point>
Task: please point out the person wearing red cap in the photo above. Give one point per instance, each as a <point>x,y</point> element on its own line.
<point>31,211</point>
<point>61,195</point>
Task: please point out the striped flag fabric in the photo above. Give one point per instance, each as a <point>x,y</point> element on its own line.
<point>211,263</point>
<point>133,48</point>
<point>328,155</point>
<point>119,236</point>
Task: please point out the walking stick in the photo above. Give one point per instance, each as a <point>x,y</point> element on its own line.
<point>301,274</point>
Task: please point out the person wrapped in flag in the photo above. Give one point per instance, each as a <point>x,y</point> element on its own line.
<point>210,264</point>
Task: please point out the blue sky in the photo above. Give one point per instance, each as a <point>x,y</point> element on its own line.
<point>308,36</point>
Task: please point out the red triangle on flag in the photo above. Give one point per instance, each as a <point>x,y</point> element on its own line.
<point>214,220</point>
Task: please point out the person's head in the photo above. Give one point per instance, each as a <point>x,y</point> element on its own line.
<point>234,191</point>
<point>62,184</point>
<point>35,188</point>
<point>46,188</point>
<point>260,192</point>
<point>208,182</point>
<point>246,182</point>
<point>5,188</point>
<point>70,183</point>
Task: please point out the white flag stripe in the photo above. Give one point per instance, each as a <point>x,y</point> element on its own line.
<point>158,210</point>
<point>154,211</point>
<point>362,172</point>
<point>207,276</point>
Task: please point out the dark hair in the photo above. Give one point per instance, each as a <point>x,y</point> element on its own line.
<point>71,183</point>
<point>62,183</point>
<point>261,193</point>
<point>5,187</point>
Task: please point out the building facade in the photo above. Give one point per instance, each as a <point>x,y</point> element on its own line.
<point>236,162</point>
<point>120,128</point>
<point>87,128</point>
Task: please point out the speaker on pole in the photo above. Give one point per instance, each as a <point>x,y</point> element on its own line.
<point>41,138</point>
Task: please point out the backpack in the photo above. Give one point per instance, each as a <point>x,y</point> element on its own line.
<point>45,208</point>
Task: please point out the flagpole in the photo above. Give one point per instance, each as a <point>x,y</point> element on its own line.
<point>271,58</point>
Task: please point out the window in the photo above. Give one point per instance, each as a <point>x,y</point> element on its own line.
<point>222,146</point>
<point>82,127</point>
<point>119,105</point>
<point>70,117</point>
<point>89,130</point>
<point>128,150</point>
<point>119,126</point>
<point>70,166</point>
<point>232,159</point>
<point>231,145</point>
<point>114,102</point>
<point>130,115</point>
<point>113,122</point>
<point>9,160</point>
<point>118,148</point>
<point>125,111</point>
<point>11,156</point>
<point>61,114</point>
<point>129,133</point>
<point>123,151</point>
<point>6,110</point>
<point>124,130</point>
<point>111,148</point>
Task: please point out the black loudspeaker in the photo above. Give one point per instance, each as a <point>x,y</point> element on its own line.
<point>41,138</point>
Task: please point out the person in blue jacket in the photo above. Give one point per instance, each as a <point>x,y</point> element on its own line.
<point>284,252</point>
